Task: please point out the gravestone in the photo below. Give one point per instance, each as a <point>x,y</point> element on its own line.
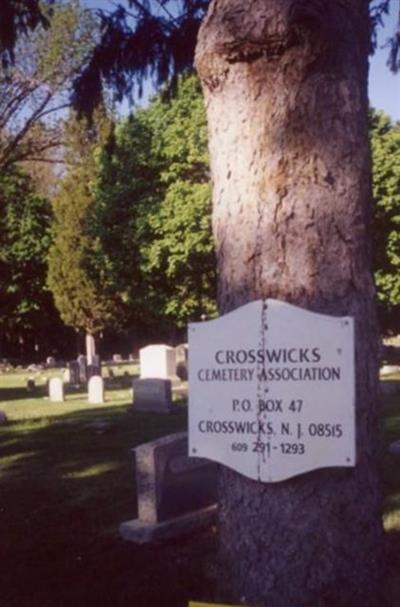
<point>56,390</point>
<point>96,390</point>
<point>152,395</point>
<point>117,358</point>
<point>30,385</point>
<point>96,360</point>
<point>389,369</point>
<point>157,361</point>
<point>176,494</point>
<point>50,361</point>
<point>82,362</point>
<point>181,354</point>
<point>74,372</point>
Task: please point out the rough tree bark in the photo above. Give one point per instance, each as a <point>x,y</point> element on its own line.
<point>285,83</point>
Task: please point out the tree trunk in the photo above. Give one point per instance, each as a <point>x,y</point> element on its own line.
<point>285,83</point>
<point>90,348</point>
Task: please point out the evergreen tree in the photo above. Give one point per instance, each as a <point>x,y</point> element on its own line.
<point>77,289</point>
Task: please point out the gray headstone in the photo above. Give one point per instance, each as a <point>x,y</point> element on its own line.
<point>169,483</point>
<point>56,390</point>
<point>152,395</point>
<point>30,385</point>
<point>96,360</point>
<point>3,418</point>
<point>96,390</point>
<point>74,372</point>
<point>82,362</point>
<point>117,358</point>
<point>181,353</point>
<point>176,494</point>
<point>50,361</point>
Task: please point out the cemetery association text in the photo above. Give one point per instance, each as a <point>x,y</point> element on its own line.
<point>266,368</point>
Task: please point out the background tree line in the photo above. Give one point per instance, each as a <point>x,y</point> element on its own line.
<point>118,241</point>
<point>127,243</point>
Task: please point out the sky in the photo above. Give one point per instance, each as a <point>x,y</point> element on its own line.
<point>384,87</point>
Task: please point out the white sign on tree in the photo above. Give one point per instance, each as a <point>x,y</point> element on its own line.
<point>271,390</point>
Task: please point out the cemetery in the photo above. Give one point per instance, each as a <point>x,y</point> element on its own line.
<point>68,468</point>
<point>200,303</point>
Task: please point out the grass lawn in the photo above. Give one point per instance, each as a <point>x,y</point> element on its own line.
<point>67,482</point>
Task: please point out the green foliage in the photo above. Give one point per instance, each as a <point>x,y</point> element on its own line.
<point>385,143</point>
<point>152,212</point>
<point>179,257</point>
<point>127,180</point>
<point>77,290</point>
<point>24,242</point>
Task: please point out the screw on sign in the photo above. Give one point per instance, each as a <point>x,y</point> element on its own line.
<point>271,390</point>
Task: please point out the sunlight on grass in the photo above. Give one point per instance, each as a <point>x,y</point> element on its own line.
<point>391,521</point>
<point>29,409</point>
<point>11,460</point>
<point>92,471</point>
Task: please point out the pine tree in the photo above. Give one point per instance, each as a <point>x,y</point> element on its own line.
<point>77,289</point>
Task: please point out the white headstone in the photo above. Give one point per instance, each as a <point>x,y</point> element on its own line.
<point>389,369</point>
<point>157,361</point>
<point>271,390</point>
<point>96,390</point>
<point>56,390</point>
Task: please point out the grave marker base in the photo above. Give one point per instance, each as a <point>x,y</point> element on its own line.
<point>141,533</point>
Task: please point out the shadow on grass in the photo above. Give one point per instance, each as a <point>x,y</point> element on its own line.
<point>21,393</point>
<point>66,484</point>
<point>392,582</point>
